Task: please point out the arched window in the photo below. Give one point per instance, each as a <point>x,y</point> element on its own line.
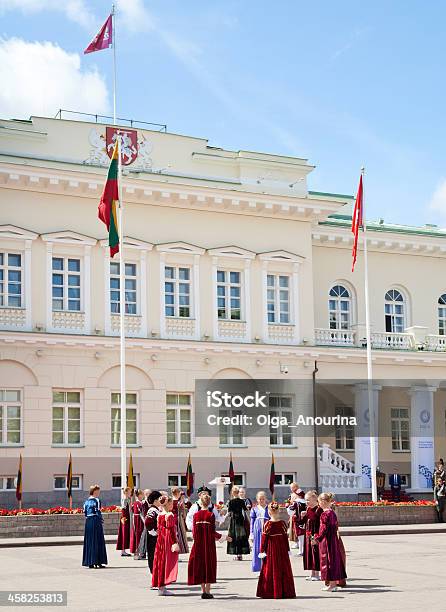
<point>340,307</point>
<point>442,315</point>
<point>394,309</point>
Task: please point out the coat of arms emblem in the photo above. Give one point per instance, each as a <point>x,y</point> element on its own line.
<point>129,150</point>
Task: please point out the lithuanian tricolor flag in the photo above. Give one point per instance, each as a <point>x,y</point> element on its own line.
<point>272,476</point>
<point>189,478</point>
<point>18,489</point>
<point>107,211</point>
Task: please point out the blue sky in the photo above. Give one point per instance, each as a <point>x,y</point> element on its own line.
<point>341,83</point>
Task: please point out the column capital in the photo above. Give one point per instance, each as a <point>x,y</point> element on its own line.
<point>417,388</point>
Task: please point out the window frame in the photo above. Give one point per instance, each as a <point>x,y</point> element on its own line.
<point>114,406</point>
<point>227,284</point>
<point>230,412</point>
<point>6,268</point>
<point>337,311</point>
<point>176,281</point>
<point>65,488</point>
<point>136,476</point>
<point>240,475</point>
<point>279,431</point>
<point>4,479</point>
<point>282,476</point>
<point>66,273</point>
<point>178,407</point>
<point>441,318</point>
<point>392,316</point>
<point>277,301</point>
<point>4,405</point>
<point>181,480</point>
<point>344,411</point>
<point>135,277</point>
<point>399,420</point>
<point>65,406</point>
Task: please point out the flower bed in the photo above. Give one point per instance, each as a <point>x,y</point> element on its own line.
<point>55,510</point>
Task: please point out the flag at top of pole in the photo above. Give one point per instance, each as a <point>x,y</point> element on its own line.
<point>357,221</point>
<point>103,39</point>
<point>107,211</point>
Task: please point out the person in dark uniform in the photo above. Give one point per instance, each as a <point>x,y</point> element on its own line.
<point>395,485</point>
<point>94,553</point>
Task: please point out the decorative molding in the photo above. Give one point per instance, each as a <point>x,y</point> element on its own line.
<point>281,257</point>
<point>12,232</point>
<point>233,252</point>
<point>69,237</point>
<point>180,247</point>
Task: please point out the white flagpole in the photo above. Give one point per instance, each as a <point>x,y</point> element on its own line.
<point>373,453</point>
<point>123,403</point>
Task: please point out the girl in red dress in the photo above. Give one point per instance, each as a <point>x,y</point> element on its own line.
<point>310,521</point>
<point>276,577</point>
<point>124,525</point>
<point>165,563</point>
<point>330,552</point>
<point>137,523</point>
<point>202,567</point>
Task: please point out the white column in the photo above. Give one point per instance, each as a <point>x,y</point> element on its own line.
<point>107,313</point>
<point>362,434</point>
<point>295,303</point>
<point>265,330</point>
<point>215,300</point>
<point>162,309</point>
<point>196,297</point>
<point>247,289</point>
<point>87,289</point>
<point>49,296</point>
<point>143,293</point>
<point>28,287</point>
<point>422,437</point>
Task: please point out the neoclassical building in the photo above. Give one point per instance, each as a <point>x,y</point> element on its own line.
<point>233,270</point>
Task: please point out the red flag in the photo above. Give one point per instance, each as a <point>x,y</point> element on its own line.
<point>189,478</point>
<point>103,39</point>
<point>272,476</point>
<point>18,489</point>
<point>357,221</point>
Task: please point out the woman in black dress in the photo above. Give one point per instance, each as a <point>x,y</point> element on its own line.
<point>238,526</point>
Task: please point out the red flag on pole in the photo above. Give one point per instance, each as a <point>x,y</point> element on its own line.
<point>103,39</point>
<point>189,478</point>
<point>357,221</point>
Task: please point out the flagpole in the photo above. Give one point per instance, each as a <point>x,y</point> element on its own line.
<point>114,61</point>
<point>373,453</point>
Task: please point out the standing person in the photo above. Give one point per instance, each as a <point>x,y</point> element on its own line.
<point>395,485</point>
<point>142,546</point>
<point>94,553</point>
<point>276,577</point>
<point>238,527</point>
<point>294,510</point>
<point>137,524</point>
<point>202,568</point>
<point>179,510</point>
<point>310,521</point>
<point>259,516</point>
<point>440,497</point>
<point>124,525</point>
<point>242,495</point>
<point>151,525</point>
<point>330,553</point>
<point>196,506</point>
<point>165,565</point>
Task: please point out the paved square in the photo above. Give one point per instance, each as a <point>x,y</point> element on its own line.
<point>399,572</point>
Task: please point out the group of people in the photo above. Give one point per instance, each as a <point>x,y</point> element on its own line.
<point>154,527</point>
<point>439,481</point>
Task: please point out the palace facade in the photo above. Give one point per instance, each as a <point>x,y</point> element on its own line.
<point>233,270</point>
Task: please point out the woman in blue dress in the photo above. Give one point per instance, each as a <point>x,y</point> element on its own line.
<point>259,516</point>
<point>95,553</point>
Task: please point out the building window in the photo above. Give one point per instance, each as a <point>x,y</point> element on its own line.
<point>8,483</point>
<point>66,281</point>
<point>179,419</point>
<point>278,298</point>
<point>10,417</point>
<point>130,288</point>
<point>66,418</point>
<point>345,434</point>
<point>282,480</point>
<point>394,312</point>
<point>229,292</point>
<point>231,435</point>
<point>60,482</point>
<point>442,315</point>
<point>177,292</point>
<point>280,406</point>
<point>131,419</point>
<point>176,480</point>
<point>116,480</point>
<point>239,479</point>
<point>340,307</point>
<point>11,280</point>
<point>400,429</point>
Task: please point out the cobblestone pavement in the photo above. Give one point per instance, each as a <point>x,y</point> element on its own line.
<point>388,572</point>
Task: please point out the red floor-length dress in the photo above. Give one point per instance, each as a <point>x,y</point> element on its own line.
<point>165,563</point>
<point>202,566</point>
<point>124,527</point>
<point>276,577</point>
<point>137,526</point>
<point>330,551</point>
<point>311,524</point>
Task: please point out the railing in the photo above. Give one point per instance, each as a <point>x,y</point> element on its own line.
<point>333,461</point>
<point>435,342</point>
<point>338,337</point>
<point>340,482</point>
<point>392,341</point>
<point>146,125</point>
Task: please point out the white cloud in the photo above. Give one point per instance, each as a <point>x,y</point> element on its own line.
<point>438,200</point>
<point>75,10</point>
<point>39,78</point>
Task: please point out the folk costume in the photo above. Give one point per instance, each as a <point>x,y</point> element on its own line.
<point>124,527</point>
<point>276,577</point>
<point>137,527</point>
<point>311,524</point>
<point>330,553</point>
<point>202,568</point>
<point>142,546</point>
<point>94,553</point>
<point>259,516</point>
<point>238,528</point>
<point>151,525</point>
<point>297,534</point>
<point>196,507</point>
<point>165,565</point>
<point>179,511</point>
